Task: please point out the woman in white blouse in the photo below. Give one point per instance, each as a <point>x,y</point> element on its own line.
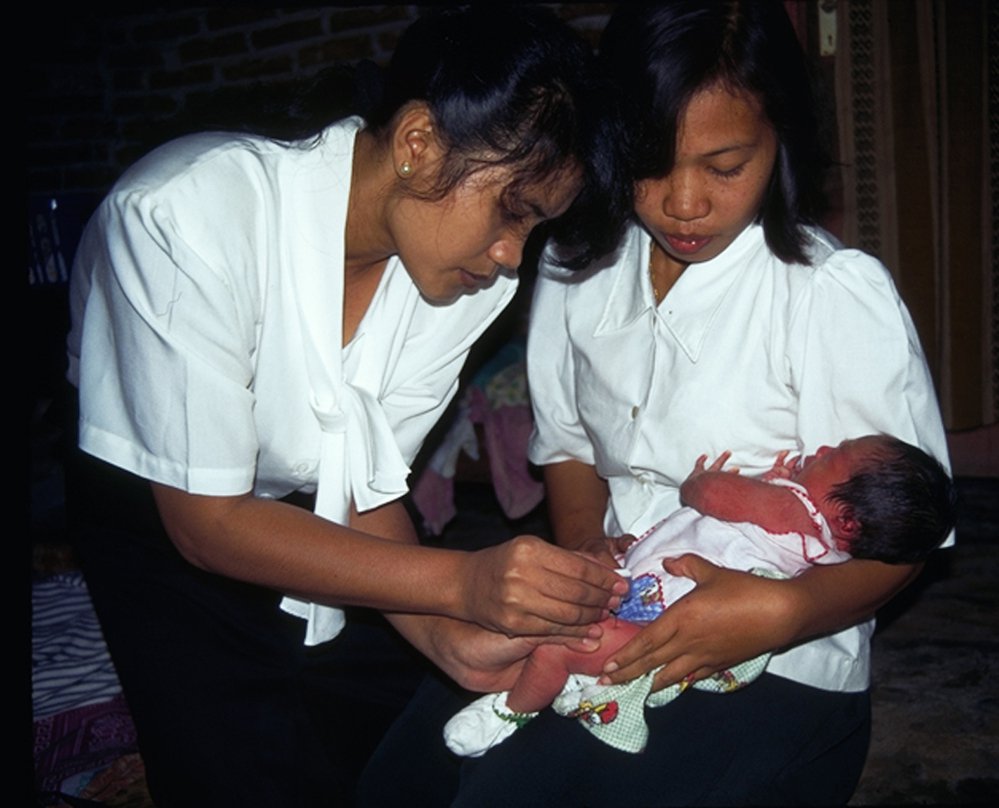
<point>724,321</point>
<point>727,322</point>
<point>256,318</point>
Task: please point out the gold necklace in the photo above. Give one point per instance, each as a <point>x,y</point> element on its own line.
<point>652,274</point>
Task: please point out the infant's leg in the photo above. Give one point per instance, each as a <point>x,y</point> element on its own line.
<point>548,666</point>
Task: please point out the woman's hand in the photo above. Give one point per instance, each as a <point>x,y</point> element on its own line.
<point>605,549</point>
<point>728,618</point>
<point>731,616</point>
<point>527,586</point>
<point>477,659</point>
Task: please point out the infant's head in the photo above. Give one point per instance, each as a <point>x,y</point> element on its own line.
<point>884,499</point>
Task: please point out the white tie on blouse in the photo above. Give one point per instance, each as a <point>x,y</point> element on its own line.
<point>354,426</point>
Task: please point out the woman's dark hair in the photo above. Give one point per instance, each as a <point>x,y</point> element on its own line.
<point>515,86</point>
<point>904,502</point>
<point>661,55</point>
<point>506,85</point>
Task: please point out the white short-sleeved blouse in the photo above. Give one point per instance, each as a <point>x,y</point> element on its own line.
<point>746,353</point>
<point>207,302</point>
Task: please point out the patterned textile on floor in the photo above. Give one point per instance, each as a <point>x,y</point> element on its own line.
<point>73,748</point>
<point>82,726</point>
<point>70,664</point>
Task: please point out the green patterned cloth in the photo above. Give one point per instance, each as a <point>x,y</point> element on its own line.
<point>613,713</point>
<point>616,713</point>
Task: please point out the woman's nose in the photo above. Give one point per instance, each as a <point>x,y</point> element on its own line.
<point>684,198</point>
<point>507,252</point>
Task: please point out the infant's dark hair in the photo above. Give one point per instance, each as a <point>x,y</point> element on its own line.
<point>904,501</point>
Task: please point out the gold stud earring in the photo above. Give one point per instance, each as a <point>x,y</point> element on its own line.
<point>405,169</point>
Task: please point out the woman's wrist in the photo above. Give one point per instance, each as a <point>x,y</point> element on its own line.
<point>792,613</point>
<point>451,583</point>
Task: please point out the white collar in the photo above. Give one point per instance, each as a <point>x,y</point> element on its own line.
<point>691,306</point>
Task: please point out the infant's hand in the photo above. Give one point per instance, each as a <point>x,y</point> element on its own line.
<point>719,465</point>
<point>784,467</point>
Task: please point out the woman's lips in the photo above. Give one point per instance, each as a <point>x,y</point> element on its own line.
<point>687,245</point>
<point>472,281</point>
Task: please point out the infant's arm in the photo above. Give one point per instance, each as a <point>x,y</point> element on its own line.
<point>736,498</point>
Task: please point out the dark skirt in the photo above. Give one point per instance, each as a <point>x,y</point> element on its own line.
<point>775,742</point>
<point>230,707</point>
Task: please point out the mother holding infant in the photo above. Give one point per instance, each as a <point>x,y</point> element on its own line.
<point>725,320</point>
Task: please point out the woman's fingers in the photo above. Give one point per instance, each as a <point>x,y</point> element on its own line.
<point>727,618</point>
<point>600,549</point>
<point>646,651</point>
<point>527,586</point>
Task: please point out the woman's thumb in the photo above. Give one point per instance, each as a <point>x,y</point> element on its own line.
<point>690,566</point>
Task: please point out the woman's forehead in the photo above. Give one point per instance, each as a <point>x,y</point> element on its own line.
<point>718,118</point>
<point>546,193</point>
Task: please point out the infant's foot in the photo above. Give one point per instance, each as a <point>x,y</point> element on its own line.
<point>482,725</point>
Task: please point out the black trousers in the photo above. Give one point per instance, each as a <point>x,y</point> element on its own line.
<point>231,709</point>
<point>775,742</point>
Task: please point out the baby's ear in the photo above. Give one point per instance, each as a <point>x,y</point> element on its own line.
<point>845,524</point>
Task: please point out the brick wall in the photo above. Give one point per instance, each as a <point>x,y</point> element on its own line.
<point>103,88</point>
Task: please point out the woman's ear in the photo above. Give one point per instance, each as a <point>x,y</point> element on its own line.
<point>414,141</point>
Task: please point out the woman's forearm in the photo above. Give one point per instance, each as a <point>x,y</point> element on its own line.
<point>294,551</point>
<point>524,586</point>
<point>828,598</point>
<point>577,499</point>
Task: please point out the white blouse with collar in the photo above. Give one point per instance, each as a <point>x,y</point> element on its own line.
<point>746,353</point>
<point>207,303</point>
